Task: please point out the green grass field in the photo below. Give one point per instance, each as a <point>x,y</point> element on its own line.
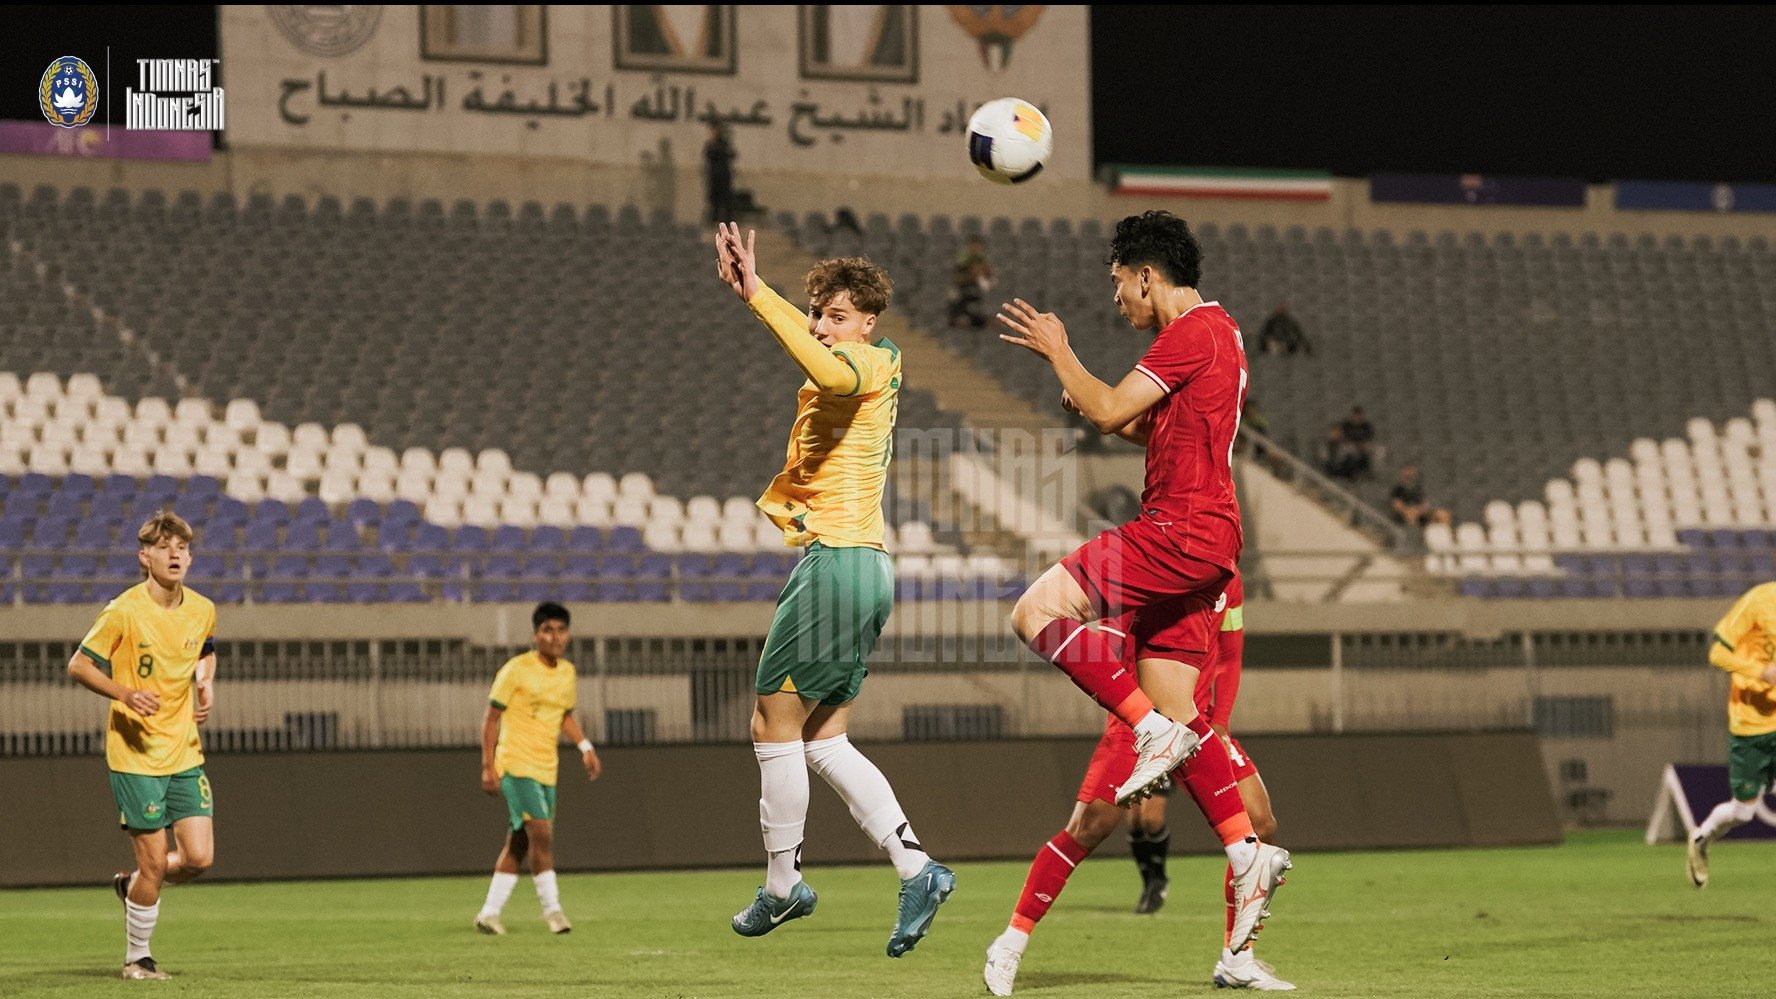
<point>1604,915</point>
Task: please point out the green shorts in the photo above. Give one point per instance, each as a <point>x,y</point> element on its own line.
<point>828,618</point>
<point>147,803</point>
<point>1751,764</point>
<point>527,799</point>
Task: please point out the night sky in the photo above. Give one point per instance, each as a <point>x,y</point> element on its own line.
<point>1599,92</point>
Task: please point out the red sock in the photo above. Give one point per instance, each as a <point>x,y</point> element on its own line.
<point>1227,893</point>
<point>1054,863</point>
<point>1094,662</point>
<point>1208,776</point>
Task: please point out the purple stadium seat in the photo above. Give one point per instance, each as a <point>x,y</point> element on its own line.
<point>72,581</point>
<point>12,533</point>
<point>201,487</point>
<point>653,577</point>
<point>342,536</point>
<point>611,577</point>
<point>585,538</point>
<point>118,572</point>
<point>162,489</point>
<point>1693,538</point>
<point>77,485</point>
<point>34,485</point>
<point>364,512</point>
<point>37,570</point>
<point>51,532</point>
<point>261,535</point>
<point>548,538</point>
<point>693,571</point>
<point>497,580</point>
<point>508,538</point>
<point>623,538</point>
<point>94,533</point>
<point>401,512</point>
<point>302,535</point>
<point>64,505</point>
<point>396,537</point>
<point>370,579</point>
<point>272,511</point>
<point>470,538</point>
<point>122,487</point>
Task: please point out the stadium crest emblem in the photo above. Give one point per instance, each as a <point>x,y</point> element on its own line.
<point>995,26</point>
<point>326,29</point>
<point>69,93</point>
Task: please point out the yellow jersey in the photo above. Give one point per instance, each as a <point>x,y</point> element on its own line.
<point>533,698</point>
<point>830,489</point>
<point>1749,630</point>
<point>149,647</point>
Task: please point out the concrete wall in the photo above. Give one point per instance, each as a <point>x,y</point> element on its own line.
<point>408,813</point>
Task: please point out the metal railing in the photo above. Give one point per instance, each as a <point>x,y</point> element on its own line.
<point>1347,505</point>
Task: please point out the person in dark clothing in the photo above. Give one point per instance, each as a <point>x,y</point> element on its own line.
<point>718,170</point>
<point>1357,432</point>
<point>1282,334</point>
<point>1408,500</point>
<point>969,284</point>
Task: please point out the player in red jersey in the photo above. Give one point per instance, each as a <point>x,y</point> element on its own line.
<point>1095,818</point>
<point>1170,565</point>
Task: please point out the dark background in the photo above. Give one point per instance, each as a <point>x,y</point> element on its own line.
<point>1602,93</point>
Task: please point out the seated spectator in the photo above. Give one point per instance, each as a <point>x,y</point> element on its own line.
<point>970,282</point>
<point>1282,334</point>
<point>1339,458</point>
<point>1359,434</point>
<point>1408,500</point>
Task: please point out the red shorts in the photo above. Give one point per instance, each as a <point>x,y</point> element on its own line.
<point>1114,760</point>
<point>1177,599</point>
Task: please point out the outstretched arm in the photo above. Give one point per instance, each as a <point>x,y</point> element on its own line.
<point>1110,409</point>
<point>737,265</point>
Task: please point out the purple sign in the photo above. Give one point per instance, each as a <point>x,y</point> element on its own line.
<point>40,138</point>
<point>1477,189</point>
<point>1688,196</point>
<point>1689,791</point>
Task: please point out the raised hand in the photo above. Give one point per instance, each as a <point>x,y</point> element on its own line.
<point>1042,333</point>
<point>736,260</point>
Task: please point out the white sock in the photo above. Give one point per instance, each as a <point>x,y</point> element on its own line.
<point>1013,939</point>
<point>783,812</point>
<point>871,800</point>
<point>548,892</point>
<point>1154,722</point>
<point>1242,853</point>
<point>1726,817</point>
<point>138,924</point>
<point>1229,957</point>
<point>498,892</point>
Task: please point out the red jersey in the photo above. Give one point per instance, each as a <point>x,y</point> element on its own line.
<point>1200,362</point>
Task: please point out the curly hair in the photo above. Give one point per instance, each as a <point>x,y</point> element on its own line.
<point>869,285</point>
<point>1161,240</point>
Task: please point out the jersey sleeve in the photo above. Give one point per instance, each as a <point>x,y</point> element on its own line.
<point>505,687</point>
<point>101,643</point>
<point>866,363</point>
<point>1744,617</point>
<point>1177,355</point>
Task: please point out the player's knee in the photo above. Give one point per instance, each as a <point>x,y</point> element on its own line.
<point>540,835</point>
<point>1745,811</point>
<point>1094,826</point>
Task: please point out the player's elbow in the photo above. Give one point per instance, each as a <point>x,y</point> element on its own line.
<point>75,664</point>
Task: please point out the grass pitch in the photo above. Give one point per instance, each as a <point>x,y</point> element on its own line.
<point>1603,915</point>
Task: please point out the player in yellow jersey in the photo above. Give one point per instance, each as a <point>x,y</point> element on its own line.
<point>828,499</point>
<point>529,709</point>
<point>1745,646</point>
<point>152,652</point>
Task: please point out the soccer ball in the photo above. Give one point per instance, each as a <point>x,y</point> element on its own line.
<point>1009,140</point>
